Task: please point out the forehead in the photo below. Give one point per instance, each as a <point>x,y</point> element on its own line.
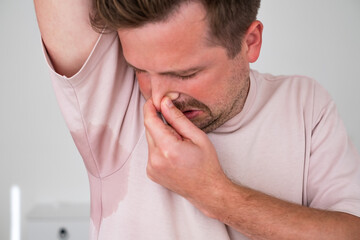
<point>182,38</point>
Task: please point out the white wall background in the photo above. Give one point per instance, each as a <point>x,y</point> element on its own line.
<point>320,39</point>
<point>36,149</point>
<point>315,38</point>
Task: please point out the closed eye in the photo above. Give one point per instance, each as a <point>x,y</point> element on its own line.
<point>186,77</point>
<point>137,71</point>
<point>170,74</point>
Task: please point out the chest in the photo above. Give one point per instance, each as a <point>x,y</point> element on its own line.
<point>267,157</point>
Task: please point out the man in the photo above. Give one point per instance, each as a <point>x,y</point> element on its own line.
<point>241,155</point>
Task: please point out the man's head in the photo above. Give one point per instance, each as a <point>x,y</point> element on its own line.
<point>179,55</point>
<point>228,20</point>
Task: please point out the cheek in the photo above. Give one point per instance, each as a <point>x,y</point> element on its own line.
<point>145,86</point>
<point>209,90</point>
<point>201,93</point>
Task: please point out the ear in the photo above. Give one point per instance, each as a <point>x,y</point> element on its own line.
<point>253,41</point>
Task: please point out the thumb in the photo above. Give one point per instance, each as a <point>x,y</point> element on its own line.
<point>179,121</point>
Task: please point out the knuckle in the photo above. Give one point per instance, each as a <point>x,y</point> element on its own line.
<point>179,115</point>
<point>147,122</point>
<point>170,151</point>
<point>164,160</point>
<point>149,172</point>
<point>170,154</point>
<point>156,164</point>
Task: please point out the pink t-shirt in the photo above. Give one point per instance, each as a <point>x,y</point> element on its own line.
<point>288,142</point>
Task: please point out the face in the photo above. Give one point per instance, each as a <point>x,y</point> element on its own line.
<point>176,58</point>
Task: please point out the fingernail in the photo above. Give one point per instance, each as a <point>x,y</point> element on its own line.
<point>173,95</point>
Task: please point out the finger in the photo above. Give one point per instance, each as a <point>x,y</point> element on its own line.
<point>179,121</point>
<point>159,133</point>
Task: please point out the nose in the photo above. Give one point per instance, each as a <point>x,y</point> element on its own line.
<point>161,87</point>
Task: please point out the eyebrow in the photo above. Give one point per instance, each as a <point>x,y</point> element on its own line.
<point>182,72</point>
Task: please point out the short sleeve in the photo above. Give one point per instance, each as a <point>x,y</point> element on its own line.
<point>102,107</point>
<point>334,168</point>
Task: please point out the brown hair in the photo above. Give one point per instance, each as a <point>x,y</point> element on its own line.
<point>228,19</point>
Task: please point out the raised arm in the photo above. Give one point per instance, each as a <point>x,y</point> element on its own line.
<point>66,31</point>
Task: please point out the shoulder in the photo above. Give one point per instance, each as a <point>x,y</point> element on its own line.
<point>284,81</point>
<point>303,88</point>
<point>298,92</point>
